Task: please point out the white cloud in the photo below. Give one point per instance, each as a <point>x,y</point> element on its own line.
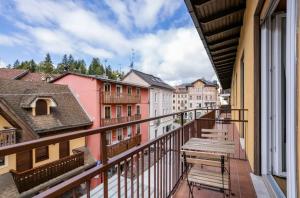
<point>143,13</point>
<point>2,64</point>
<point>12,40</point>
<point>175,55</point>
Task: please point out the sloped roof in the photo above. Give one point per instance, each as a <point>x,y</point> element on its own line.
<point>67,115</point>
<point>150,79</point>
<point>97,77</point>
<point>12,73</point>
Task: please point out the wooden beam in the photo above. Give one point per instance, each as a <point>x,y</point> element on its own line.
<point>225,45</point>
<point>223,53</point>
<point>224,64</point>
<point>229,55</point>
<point>224,60</point>
<point>227,28</point>
<point>224,49</point>
<point>222,14</point>
<point>199,2</point>
<point>236,35</point>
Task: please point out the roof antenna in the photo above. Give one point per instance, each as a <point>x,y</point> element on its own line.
<point>132,59</point>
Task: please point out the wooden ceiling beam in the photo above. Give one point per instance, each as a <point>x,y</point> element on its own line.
<point>233,44</point>
<point>227,28</point>
<point>199,2</point>
<point>229,55</point>
<point>223,53</point>
<point>223,14</point>
<point>224,64</point>
<point>225,60</point>
<point>223,39</point>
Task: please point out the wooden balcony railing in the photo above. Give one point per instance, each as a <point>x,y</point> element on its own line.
<point>114,98</point>
<point>33,177</point>
<point>157,161</point>
<point>112,121</point>
<point>7,137</point>
<point>124,145</point>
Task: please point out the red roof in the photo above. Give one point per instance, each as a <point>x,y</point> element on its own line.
<point>12,73</point>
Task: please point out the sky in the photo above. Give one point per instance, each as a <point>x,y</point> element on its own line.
<point>158,35</point>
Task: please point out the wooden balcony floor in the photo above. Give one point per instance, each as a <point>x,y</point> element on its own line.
<point>240,180</point>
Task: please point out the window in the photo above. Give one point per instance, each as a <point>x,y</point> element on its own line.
<point>119,111</point>
<point>138,128</point>
<point>107,114</point>
<point>191,97</point>
<point>155,133</point>
<point>41,153</point>
<point>128,110</point>
<point>173,108</point>
<point>173,101</point>
<point>129,131</point>
<point>107,87</point>
<point>155,113</point>
<point>178,102</point>
<point>185,102</point>
<point>2,161</point>
<point>108,137</point>
<point>41,107</point>
<point>138,91</point>
<point>191,105</point>
<point>120,134</point>
<point>129,90</point>
<point>155,97</point>
<point>138,110</point>
<point>119,90</point>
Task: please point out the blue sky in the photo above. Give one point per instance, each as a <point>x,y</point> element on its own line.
<point>161,33</point>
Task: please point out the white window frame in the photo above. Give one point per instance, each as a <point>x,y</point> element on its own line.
<point>117,110</point>
<point>107,84</point>
<point>129,135</point>
<point>291,24</point>
<point>121,89</point>
<point>109,113</point>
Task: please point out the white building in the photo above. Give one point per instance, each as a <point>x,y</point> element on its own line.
<point>160,100</point>
<point>198,94</point>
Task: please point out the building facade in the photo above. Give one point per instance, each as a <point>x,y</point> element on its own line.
<point>198,94</point>
<point>33,110</point>
<point>110,102</point>
<point>160,100</point>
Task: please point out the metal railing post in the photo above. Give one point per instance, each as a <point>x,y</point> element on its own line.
<point>104,161</point>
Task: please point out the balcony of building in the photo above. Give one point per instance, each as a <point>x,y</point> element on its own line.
<point>7,136</point>
<point>153,169</point>
<point>113,121</point>
<point>123,145</point>
<point>120,98</point>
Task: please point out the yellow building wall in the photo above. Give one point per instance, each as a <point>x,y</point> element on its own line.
<point>54,151</point>
<point>246,46</point>
<point>3,123</point>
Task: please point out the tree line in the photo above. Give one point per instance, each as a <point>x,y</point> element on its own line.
<point>68,64</point>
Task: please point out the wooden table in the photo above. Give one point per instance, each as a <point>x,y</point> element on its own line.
<point>209,145</point>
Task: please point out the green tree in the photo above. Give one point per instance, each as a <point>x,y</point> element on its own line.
<point>8,66</point>
<point>32,66</point>
<point>46,66</point>
<point>80,66</point>
<point>71,63</point>
<point>96,68</point>
<point>63,65</point>
<point>16,65</point>
<point>108,72</point>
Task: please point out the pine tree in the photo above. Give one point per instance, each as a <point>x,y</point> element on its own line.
<point>63,66</point>
<point>46,66</point>
<point>32,66</point>
<point>80,66</point>
<point>96,68</point>
<point>71,63</point>
<point>16,65</point>
<point>108,72</point>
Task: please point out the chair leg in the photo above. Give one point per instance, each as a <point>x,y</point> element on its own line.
<point>190,189</point>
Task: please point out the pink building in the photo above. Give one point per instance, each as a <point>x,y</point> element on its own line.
<point>109,102</point>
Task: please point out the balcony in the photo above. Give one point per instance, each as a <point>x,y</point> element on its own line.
<point>7,137</point>
<point>124,145</point>
<point>153,169</point>
<point>33,177</point>
<point>113,121</point>
<point>114,98</point>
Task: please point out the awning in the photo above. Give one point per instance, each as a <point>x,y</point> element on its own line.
<point>219,24</point>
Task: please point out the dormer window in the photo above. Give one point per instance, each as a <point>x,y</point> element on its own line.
<point>41,107</point>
